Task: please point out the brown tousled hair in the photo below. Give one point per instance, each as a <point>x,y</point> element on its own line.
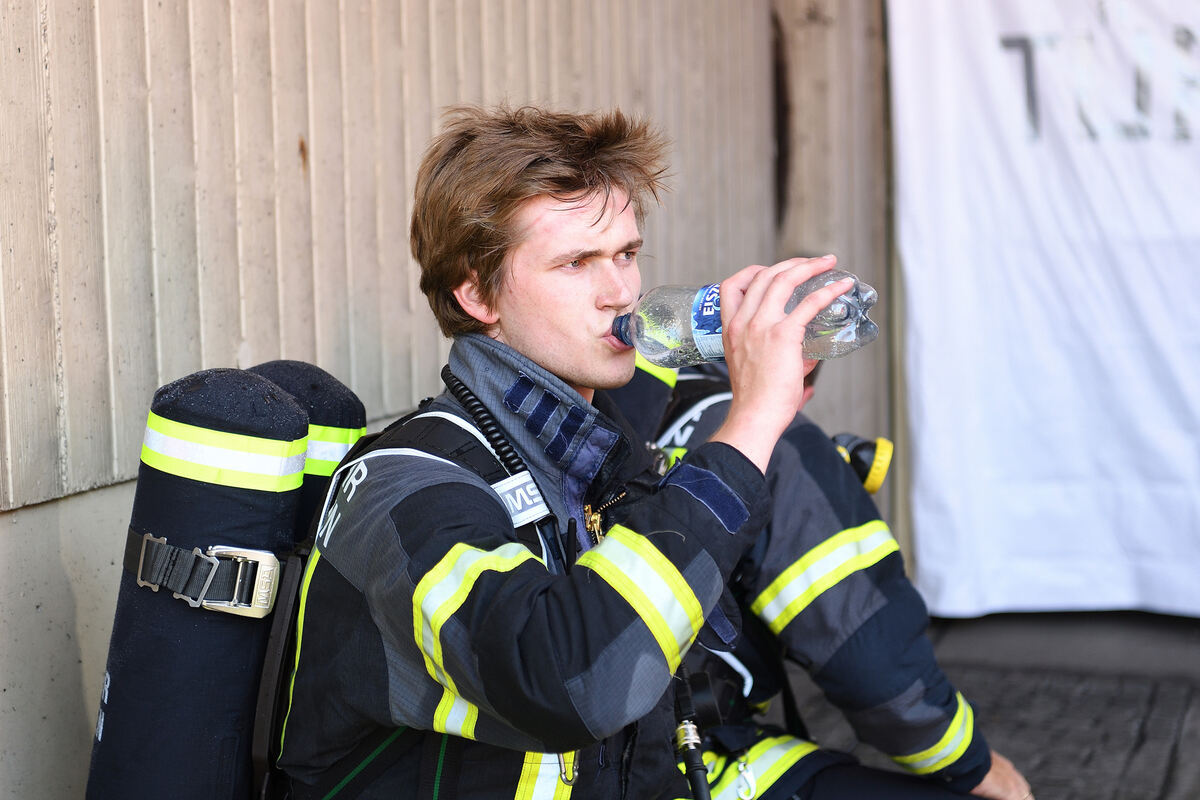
<point>486,163</point>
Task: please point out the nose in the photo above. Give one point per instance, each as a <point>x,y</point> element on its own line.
<point>620,285</point>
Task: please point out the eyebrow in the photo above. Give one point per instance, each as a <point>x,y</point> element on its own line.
<point>573,255</point>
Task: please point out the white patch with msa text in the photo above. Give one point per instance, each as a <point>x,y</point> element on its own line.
<point>522,498</point>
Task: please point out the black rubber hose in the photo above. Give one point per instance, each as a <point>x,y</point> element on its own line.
<point>687,738</point>
<point>509,457</point>
<point>484,420</point>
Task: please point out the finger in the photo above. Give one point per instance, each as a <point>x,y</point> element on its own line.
<point>774,285</point>
<point>739,280</point>
<point>734,288</point>
<point>795,273</point>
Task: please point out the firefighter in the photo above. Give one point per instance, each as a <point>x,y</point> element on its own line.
<point>823,587</point>
<point>442,652</point>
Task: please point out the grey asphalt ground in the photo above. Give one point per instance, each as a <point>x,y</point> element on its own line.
<point>1090,706</point>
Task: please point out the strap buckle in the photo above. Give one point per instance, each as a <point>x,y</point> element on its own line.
<point>146,537</point>
<point>212,573</point>
<point>262,596</point>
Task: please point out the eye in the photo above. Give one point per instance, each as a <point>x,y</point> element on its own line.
<point>627,256</point>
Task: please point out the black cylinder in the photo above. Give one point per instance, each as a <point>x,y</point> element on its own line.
<point>180,683</point>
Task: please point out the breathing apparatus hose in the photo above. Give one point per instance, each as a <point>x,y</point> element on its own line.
<point>513,464</point>
<point>687,737</point>
<point>484,421</point>
<point>505,452</point>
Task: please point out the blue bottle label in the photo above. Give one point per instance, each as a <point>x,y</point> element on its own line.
<point>706,322</point>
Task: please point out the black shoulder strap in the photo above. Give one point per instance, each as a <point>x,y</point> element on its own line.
<point>439,436</point>
<point>435,434</point>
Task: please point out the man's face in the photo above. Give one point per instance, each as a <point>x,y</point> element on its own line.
<point>574,271</point>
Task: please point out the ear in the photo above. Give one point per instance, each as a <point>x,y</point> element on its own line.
<point>471,299</point>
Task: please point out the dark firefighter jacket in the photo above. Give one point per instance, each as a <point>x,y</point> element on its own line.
<point>422,610</point>
<point>825,585</point>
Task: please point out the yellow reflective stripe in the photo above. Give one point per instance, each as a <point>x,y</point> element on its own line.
<point>227,459</point>
<point>652,585</point>
<point>768,759</point>
<point>327,446</point>
<point>879,466</point>
<point>845,453</point>
<point>820,568</point>
<point>665,374</point>
<point>309,568</point>
<point>949,748</point>
<point>333,435</point>
<point>438,595</point>
<point>674,454</point>
<point>540,777</point>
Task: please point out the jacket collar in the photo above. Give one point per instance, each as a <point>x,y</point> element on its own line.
<point>563,438</point>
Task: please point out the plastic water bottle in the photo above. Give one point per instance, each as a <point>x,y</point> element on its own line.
<point>677,326</point>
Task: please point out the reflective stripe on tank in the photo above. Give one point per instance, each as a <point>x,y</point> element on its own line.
<point>540,777</point>
<point>226,459</point>
<point>949,748</point>
<point>820,568</point>
<point>327,446</point>
<point>652,585</point>
<point>439,594</point>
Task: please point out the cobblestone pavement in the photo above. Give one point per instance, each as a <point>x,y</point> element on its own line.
<point>1077,733</point>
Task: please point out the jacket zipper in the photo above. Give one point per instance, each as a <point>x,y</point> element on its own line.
<point>593,521</point>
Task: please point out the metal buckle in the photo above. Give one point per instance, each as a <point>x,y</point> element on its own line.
<point>266,584</point>
<point>212,573</point>
<point>142,560</point>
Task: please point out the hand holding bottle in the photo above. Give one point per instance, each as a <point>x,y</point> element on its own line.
<point>677,326</point>
<point>761,340</point>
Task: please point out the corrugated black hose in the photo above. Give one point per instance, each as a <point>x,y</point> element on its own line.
<point>505,452</point>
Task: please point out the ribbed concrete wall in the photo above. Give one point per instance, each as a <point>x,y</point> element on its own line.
<point>218,183</point>
<point>191,184</point>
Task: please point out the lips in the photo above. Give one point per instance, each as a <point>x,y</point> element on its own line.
<point>615,342</point>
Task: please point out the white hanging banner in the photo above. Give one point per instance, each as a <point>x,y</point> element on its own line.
<point>1048,224</point>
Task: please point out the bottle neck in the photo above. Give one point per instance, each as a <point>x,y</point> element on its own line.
<point>620,329</point>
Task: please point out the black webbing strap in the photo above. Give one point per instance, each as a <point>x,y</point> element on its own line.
<point>280,644</point>
<point>191,574</point>
<point>439,437</point>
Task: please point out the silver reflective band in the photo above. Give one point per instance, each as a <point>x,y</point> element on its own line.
<point>951,746</point>
<point>222,457</point>
<point>829,565</point>
<point>327,451</point>
<point>671,609</point>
